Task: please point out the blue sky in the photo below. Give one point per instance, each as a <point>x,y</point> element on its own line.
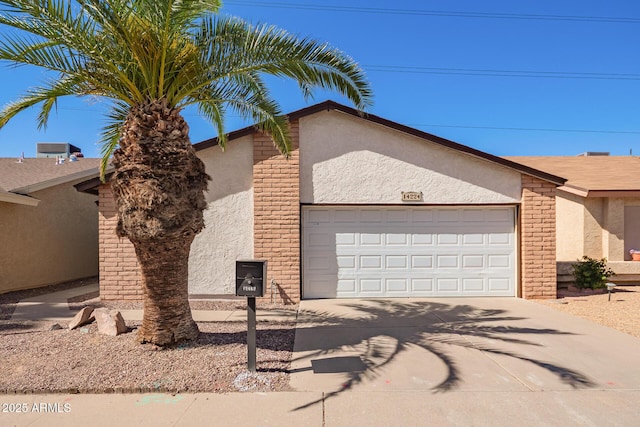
<point>445,67</point>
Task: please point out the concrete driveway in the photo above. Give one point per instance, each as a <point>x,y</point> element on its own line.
<point>506,357</point>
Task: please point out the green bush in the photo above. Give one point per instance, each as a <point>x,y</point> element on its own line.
<point>591,273</point>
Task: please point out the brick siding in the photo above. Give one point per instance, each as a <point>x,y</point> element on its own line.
<point>538,239</point>
<point>276,199</point>
<point>119,270</point>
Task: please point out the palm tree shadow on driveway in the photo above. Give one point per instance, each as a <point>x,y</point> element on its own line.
<point>362,340</point>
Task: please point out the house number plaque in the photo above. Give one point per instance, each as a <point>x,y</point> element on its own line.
<point>411,196</point>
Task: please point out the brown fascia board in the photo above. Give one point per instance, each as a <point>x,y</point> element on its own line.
<point>332,105</point>
<point>90,186</point>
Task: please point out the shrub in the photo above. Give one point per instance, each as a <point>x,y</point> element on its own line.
<point>591,273</point>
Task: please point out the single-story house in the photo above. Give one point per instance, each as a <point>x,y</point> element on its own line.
<point>49,230</point>
<point>597,211</point>
<point>365,207</point>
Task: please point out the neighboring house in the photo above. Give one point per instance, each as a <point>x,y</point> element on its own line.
<point>365,207</point>
<point>49,230</point>
<point>598,210</point>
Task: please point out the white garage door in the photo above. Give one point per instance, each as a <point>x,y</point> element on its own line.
<point>351,252</point>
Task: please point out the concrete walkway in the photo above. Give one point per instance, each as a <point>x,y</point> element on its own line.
<point>54,307</point>
<point>440,362</point>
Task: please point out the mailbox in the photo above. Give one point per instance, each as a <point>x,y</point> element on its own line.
<point>250,278</point>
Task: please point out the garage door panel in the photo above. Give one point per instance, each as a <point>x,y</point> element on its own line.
<point>398,216</point>
<point>346,239</point>
<point>447,261</point>
<point>447,284</point>
<point>346,262</point>
<point>372,286</point>
<point>347,286</point>
<point>392,239</point>
<point>369,262</point>
<point>394,262</point>
<point>499,261</point>
<point>473,261</point>
<point>499,239</point>
<point>499,284</point>
<point>421,261</point>
<point>447,239</point>
<point>422,287</point>
<point>372,215</point>
<point>473,239</point>
<point>422,239</point>
<point>370,239</point>
<point>473,285</point>
<point>397,286</point>
<point>412,251</point>
<point>319,216</point>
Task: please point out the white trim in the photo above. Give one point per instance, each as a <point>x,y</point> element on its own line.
<point>18,199</point>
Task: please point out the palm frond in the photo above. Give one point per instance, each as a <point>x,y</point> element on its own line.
<point>111,133</point>
<point>133,51</point>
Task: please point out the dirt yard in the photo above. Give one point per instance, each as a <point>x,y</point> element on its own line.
<point>37,359</point>
<point>621,313</point>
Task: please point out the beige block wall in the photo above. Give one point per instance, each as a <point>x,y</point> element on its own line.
<point>119,269</point>
<point>54,242</point>
<point>538,239</point>
<point>276,194</point>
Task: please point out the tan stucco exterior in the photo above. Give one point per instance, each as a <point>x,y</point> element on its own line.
<point>595,227</point>
<point>598,227</point>
<point>344,159</point>
<point>53,242</point>
<point>228,232</point>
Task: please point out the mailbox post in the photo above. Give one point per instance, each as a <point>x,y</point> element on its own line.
<point>250,278</point>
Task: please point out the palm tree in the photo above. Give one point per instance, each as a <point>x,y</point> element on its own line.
<point>149,59</point>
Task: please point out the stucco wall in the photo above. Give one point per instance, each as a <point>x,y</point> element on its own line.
<point>631,226</point>
<point>570,223</point>
<point>594,221</point>
<point>596,227</point>
<point>347,160</point>
<point>228,233</point>
<point>53,242</point>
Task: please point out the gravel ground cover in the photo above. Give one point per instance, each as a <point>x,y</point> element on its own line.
<point>621,313</point>
<point>37,359</point>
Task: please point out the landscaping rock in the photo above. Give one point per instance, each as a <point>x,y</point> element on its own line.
<point>81,318</point>
<point>55,327</point>
<point>109,322</point>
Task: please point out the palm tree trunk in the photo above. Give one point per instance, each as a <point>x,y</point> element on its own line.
<point>167,315</point>
<point>158,186</point>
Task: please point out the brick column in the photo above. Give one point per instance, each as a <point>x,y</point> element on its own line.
<point>538,239</point>
<point>276,201</point>
<point>119,270</point>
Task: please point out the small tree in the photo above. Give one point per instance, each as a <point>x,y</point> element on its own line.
<point>150,59</point>
<point>591,273</point>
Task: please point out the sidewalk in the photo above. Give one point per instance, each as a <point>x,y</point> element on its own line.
<point>372,409</point>
<point>54,307</point>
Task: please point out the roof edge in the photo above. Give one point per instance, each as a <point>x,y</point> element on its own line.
<point>57,181</point>
<point>18,199</point>
<point>330,105</point>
